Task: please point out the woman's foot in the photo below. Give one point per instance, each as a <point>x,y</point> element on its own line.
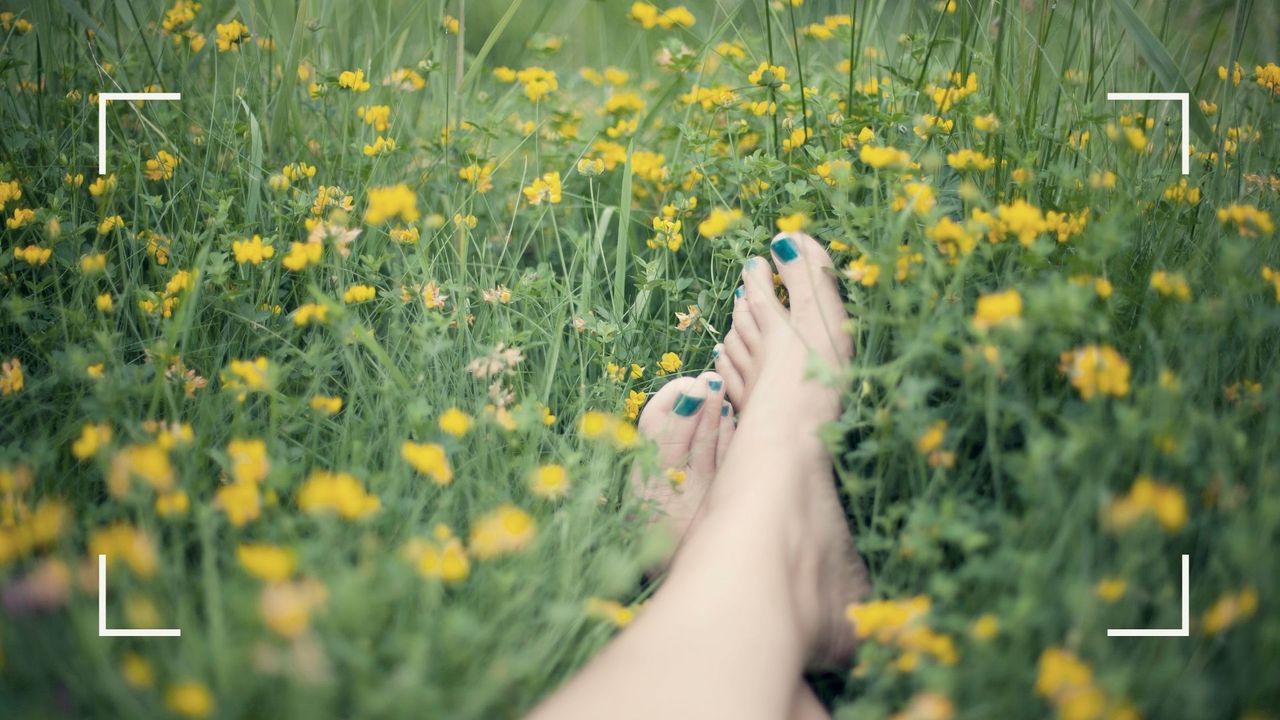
<point>777,467</point>
<point>691,423</point>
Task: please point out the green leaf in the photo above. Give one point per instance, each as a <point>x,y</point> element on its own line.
<point>1161,62</point>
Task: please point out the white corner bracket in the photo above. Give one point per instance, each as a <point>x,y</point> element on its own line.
<point>1185,99</point>
<point>103,630</point>
<point>1183,631</point>
<point>103,99</point>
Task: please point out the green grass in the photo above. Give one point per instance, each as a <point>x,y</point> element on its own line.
<point>1005,516</point>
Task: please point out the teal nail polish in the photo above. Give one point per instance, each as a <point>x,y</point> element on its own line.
<point>785,249</point>
<point>687,405</point>
<point>750,263</point>
<point>715,353</point>
<point>739,292</point>
<point>724,410</point>
<point>715,385</point>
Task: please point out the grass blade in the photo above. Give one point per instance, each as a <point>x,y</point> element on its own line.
<point>1161,62</point>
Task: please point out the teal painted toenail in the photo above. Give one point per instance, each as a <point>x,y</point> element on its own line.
<point>715,385</point>
<point>739,292</point>
<point>687,405</point>
<point>785,249</point>
<point>715,353</point>
<point>724,410</point>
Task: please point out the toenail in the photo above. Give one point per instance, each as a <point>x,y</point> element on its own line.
<point>739,292</point>
<point>715,385</point>
<point>687,405</point>
<point>785,249</point>
<point>715,353</point>
<point>750,263</point>
<point>724,410</point>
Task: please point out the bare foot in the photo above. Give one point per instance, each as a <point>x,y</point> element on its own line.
<point>777,463</point>
<point>691,423</point>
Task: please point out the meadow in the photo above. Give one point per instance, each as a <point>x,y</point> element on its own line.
<point>339,363</point>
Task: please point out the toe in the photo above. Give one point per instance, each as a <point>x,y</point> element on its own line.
<point>671,417</point>
<point>706,433</point>
<point>744,323</point>
<point>728,421</point>
<point>761,298</point>
<point>735,387</point>
<point>806,270</point>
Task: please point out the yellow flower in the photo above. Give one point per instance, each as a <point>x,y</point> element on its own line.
<point>884,157</point>
<point>92,439</point>
<point>387,203</point>
<point>252,251</point>
<point>1147,497</point>
<point>33,254</point>
<point>863,272</point>
<point>986,123</point>
<point>240,501</point>
<point>885,620</point>
<point>379,116</point>
<point>1249,221</point>
<point>986,627</point>
<point>1268,77</point>
<point>93,263</point>
<point>339,493</point>
<point>546,188</point>
<point>481,176</point>
<point>161,167</point>
<point>249,461</point>
<point>95,370</point>
<point>929,705</point>
<point>450,24</point>
<point>932,438</point>
<point>110,223</point>
<point>506,529</point>
<point>795,222</point>
<point>537,82</point>
<point>455,422</point>
<point>1172,285</point>
<point>998,309</point>
<point>326,404</point>
<point>1023,220</point>
<point>381,146</point>
<point>429,459</point>
<point>1096,369</point>
<point>649,16</point>
<point>11,377</point>
<point>309,313</point>
<point>171,504</point>
<point>669,363</point>
<point>148,462</point>
<point>1230,609</point>
<point>635,400</point>
<point>359,294</point>
<point>136,671</point>
<point>267,562</point>
<point>189,698</point>
<point>353,80</point>
<point>967,159</point>
<point>302,254</point>
<point>549,481</point>
<point>231,35</point>
<point>122,541</point>
<point>610,611</point>
<point>445,560</point>
<point>246,376</point>
<point>1110,589</point>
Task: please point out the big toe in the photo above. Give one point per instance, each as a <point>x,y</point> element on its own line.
<point>817,310</point>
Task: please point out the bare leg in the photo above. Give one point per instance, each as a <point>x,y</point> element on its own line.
<point>757,593</point>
